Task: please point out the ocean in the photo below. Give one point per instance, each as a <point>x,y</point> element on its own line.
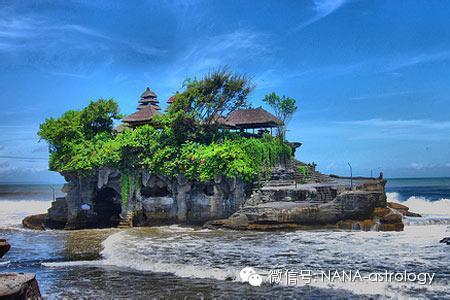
<point>196,263</point>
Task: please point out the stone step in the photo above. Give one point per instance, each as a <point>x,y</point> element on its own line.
<point>127,221</point>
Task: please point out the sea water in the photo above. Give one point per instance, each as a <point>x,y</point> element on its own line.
<point>192,262</point>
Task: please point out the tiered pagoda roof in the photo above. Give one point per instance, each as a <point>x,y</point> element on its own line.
<point>148,97</point>
<point>148,108</point>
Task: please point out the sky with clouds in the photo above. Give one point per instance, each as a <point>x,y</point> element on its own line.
<point>371,77</point>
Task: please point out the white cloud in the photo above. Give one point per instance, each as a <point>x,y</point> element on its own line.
<point>65,49</point>
<point>412,60</point>
<point>322,8</point>
<point>235,48</point>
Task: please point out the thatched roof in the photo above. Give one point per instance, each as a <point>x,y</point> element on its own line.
<point>148,93</point>
<point>142,116</point>
<point>252,118</point>
<point>148,100</point>
<point>152,105</point>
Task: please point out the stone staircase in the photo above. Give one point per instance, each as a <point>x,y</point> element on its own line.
<point>126,221</point>
<point>326,194</point>
<point>292,174</point>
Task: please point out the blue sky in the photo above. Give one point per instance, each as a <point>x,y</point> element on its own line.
<point>371,77</point>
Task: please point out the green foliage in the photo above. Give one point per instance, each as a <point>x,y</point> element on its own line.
<point>243,158</point>
<point>218,93</point>
<point>128,184</point>
<point>185,142</point>
<point>76,138</point>
<point>305,173</point>
<point>283,107</point>
<point>194,111</point>
<point>125,189</point>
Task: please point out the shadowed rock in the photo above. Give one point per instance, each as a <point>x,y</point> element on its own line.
<point>445,240</point>
<point>19,286</point>
<point>35,222</point>
<point>4,247</point>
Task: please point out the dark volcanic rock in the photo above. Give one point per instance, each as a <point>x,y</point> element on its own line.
<point>35,222</point>
<point>19,286</point>
<point>445,240</point>
<point>57,213</point>
<point>4,247</point>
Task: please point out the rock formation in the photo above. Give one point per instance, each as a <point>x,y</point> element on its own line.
<point>19,286</point>
<point>296,196</point>
<point>4,247</point>
<point>404,210</point>
<point>155,200</point>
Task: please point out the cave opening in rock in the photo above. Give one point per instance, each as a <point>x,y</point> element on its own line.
<point>155,191</point>
<point>108,207</point>
<point>208,189</point>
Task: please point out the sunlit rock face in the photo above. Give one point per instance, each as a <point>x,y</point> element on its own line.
<point>316,205</point>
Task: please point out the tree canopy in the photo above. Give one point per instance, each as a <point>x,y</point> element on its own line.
<point>217,94</point>
<point>183,141</point>
<point>283,107</point>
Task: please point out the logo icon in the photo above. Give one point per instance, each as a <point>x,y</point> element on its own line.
<point>249,275</point>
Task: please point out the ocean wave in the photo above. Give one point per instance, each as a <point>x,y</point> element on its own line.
<point>13,212</point>
<point>115,254</point>
<point>422,205</point>
<point>150,251</point>
<point>433,212</point>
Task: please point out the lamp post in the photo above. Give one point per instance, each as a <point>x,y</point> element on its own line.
<point>351,176</point>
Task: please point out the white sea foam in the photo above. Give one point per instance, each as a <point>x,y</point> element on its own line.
<point>422,205</point>
<point>191,253</point>
<point>4,263</point>
<point>115,253</point>
<point>433,212</point>
<point>13,212</point>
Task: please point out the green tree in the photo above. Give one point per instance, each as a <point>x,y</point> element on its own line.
<point>74,136</point>
<point>283,107</point>
<point>217,94</point>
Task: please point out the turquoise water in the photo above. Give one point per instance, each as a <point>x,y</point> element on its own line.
<point>191,262</point>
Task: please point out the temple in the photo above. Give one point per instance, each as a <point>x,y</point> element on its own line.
<point>258,119</point>
<point>148,108</point>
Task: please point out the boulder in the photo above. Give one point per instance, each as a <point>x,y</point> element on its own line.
<point>4,247</point>
<point>392,217</point>
<point>35,222</point>
<point>391,227</point>
<point>19,286</point>
<point>403,209</point>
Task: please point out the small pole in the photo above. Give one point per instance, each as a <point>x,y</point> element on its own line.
<point>351,176</point>
<point>53,190</point>
<point>371,173</point>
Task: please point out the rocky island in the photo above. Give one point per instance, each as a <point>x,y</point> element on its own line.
<point>209,160</point>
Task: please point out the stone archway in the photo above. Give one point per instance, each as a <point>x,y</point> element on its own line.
<point>107,206</point>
